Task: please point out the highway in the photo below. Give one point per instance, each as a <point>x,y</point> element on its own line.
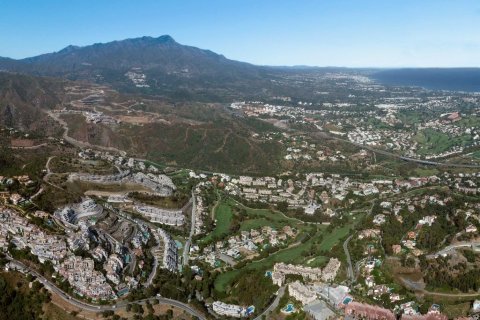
<point>322,135</point>
<point>100,308</point>
<point>449,248</point>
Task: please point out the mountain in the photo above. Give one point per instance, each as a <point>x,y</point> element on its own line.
<point>162,66</point>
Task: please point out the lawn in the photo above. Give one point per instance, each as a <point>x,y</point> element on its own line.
<point>425,172</point>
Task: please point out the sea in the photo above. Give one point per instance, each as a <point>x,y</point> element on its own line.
<point>451,79</point>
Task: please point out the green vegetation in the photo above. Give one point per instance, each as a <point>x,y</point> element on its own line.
<point>433,141</point>
<point>66,164</point>
<point>457,310</point>
<point>20,303</point>
<point>264,217</point>
<point>221,143</point>
<point>422,172</point>
<point>253,288</point>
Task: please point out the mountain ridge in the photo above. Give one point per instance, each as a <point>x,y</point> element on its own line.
<point>168,67</point>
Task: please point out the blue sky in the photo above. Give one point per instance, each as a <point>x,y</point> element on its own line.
<point>355,33</point>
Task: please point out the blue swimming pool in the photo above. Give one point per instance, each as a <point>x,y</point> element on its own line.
<point>347,300</point>
<point>289,308</point>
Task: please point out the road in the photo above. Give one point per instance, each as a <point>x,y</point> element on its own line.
<point>47,165</point>
<point>45,179</point>
<point>351,273</point>
<point>77,143</point>
<point>274,304</point>
<point>420,288</point>
<point>49,173</point>
<point>349,260</point>
<point>39,192</point>
<point>186,250</point>
<point>449,248</point>
<point>100,308</point>
<point>31,147</point>
<point>155,266</point>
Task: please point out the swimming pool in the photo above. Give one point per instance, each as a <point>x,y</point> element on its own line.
<point>289,308</point>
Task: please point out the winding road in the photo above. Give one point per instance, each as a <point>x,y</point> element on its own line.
<point>100,308</point>
<point>351,273</point>
<point>274,304</point>
<point>186,250</point>
<point>349,260</point>
<point>77,143</point>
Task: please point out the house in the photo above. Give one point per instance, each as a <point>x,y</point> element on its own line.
<point>379,219</point>
<point>471,228</point>
<point>396,249</point>
<point>366,311</point>
<point>16,198</point>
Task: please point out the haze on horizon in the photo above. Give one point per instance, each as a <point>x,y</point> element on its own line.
<point>371,33</point>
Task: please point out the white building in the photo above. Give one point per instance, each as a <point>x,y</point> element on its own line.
<point>229,310</point>
<point>301,292</point>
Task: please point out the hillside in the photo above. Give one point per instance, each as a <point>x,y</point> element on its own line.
<point>22,98</point>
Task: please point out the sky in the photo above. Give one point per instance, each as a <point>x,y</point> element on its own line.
<point>351,33</point>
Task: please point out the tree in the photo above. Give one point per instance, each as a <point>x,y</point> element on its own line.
<point>107,313</point>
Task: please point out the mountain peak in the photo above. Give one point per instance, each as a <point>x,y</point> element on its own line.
<point>166,39</point>
<point>69,48</point>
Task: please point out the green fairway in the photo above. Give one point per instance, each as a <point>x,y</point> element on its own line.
<point>289,255</point>
<point>258,223</point>
<point>265,217</point>
<point>317,261</point>
<point>426,172</point>
<point>256,218</point>
<point>433,142</point>
<point>224,217</point>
